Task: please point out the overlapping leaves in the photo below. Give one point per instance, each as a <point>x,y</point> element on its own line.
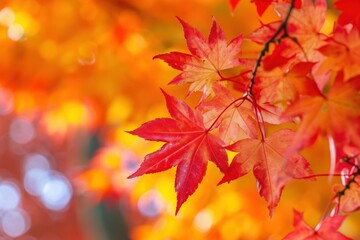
<point>295,79</point>
<point>327,230</point>
<point>328,114</point>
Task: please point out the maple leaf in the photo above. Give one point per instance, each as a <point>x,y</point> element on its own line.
<point>281,86</point>
<point>279,57</point>
<point>269,113</point>
<point>329,114</point>
<point>236,122</point>
<point>272,165</point>
<point>349,191</point>
<point>342,52</point>
<point>264,33</point>
<point>350,12</point>
<point>208,57</point>
<point>297,3</point>
<point>304,25</point>
<point>327,230</point>
<point>350,200</point>
<point>262,5</point>
<point>189,146</point>
<point>306,21</point>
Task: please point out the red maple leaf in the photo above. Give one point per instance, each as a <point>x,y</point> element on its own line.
<point>327,230</point>
<point>350,12</point>
<point>308,20</point>
<point>264,33</point>
<point>189,146</point>
<point>304,24</point>
<point>329,114</point>
<point>279,57</point>
<point>281,86</point>
<point>262,5</point>
<point>342,52</point>
<point>272,165</point>
<point>208,57</point>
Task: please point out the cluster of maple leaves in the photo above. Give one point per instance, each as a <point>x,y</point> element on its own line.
<point>300,75</point>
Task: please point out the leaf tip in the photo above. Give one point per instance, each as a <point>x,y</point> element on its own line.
<point>223,180</point>
<point>183,23</point>
<point>164,93</point>
<point>213,20</point>
<point>233,4</point>
<point>137,173</point>
<point>157,56</point>
<point>133,175</point>
<point>168,98</point>
<point>271,212</point>
<point>179,203</point>
<point>220,182</point>
<point>136,132</point>
<point>132,132</point>
<point>177,209</point>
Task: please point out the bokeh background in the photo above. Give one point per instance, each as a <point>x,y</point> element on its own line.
<point>75,75</point>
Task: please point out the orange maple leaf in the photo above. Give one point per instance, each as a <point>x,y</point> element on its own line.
<point>342,52</point>
<point>282,86</point>
<point>272,165</point>
<point>350,201</point>
<point>208,57</point>
<point>335,114</point>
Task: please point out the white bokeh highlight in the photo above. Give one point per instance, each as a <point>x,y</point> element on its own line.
<point>10,196</point>
<point>56,192</point>
<point>203,221</point>
<point>16,32</point>
<point>21,130</point>
<point>15,223</point>
<point>151,204</point>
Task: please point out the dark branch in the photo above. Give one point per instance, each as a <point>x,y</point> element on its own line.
<point>276,38</point>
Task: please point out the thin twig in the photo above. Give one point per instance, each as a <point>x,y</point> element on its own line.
<point>223,111</point>
<point>323,175</point>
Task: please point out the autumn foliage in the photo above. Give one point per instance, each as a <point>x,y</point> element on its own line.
<point>301,76</point>
<point>165,119</point>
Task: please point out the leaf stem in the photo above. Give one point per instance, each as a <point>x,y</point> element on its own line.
<point>232,78</point>
<point>323,175</point>
<point>258,113</point>
<point>223,111</point>
<point>339,194</point>
<point>325,213</point>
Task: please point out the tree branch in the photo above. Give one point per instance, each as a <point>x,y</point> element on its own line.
<point>274,39</point>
